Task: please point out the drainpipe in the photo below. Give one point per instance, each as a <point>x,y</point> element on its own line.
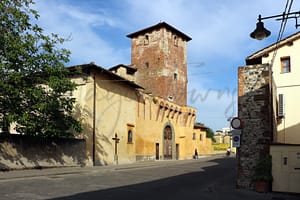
<point>94,121</point>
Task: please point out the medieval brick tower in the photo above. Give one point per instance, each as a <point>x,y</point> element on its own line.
<point>159,54</point>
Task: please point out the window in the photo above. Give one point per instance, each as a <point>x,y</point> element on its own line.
<point>285,64</point>
<point>175,76</point>
<point>146,40</point>
<point>175,40</point>
<point>194,136</point>
<point>201,137</point>
<point>147,65</point>
<point>129,136</point>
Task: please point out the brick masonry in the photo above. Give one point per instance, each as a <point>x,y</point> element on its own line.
<point>160,57</point>
<point>255,111</point>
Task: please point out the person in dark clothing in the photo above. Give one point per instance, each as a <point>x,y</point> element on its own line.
<point>196,154</point>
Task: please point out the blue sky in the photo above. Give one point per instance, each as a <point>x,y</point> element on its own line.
<point>220,42</point>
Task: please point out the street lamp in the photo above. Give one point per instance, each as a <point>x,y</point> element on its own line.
<point>261,32</point>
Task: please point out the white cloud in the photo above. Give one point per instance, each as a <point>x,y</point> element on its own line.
<point>86,44</point>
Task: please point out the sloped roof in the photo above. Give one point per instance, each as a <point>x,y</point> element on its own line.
<point>131,69</point>
<point>87,67</point>
<point>270,48</point>
<point>158,26</point>
<point>200,126</point>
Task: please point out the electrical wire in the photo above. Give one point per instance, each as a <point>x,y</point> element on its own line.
<point>282,28</point>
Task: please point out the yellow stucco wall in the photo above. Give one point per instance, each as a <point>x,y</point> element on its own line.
<point>285,168</point>
<point>154,114</point>
<point>120,108</point>
<point>287,84</point>
<point>115,112</point>
<point>201,142</point>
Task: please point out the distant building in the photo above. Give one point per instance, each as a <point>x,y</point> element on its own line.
<point>226,130</point>
<point>223,136</point>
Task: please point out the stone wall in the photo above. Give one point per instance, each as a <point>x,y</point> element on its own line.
<point>21,152</point>
<point>255,111</point>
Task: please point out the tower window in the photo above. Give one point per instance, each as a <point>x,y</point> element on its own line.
<point>175,76</point>
<point>146,40</point>
<point>147,64</point>
<point>285,64</point>
<point>170,98</point>
<point>175,40</point>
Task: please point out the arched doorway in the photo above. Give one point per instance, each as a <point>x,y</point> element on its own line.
<point>168,148</point>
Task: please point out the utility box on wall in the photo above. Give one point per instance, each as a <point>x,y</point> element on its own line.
<point>285,167</point>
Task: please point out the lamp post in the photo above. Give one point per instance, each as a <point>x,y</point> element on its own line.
<point>261,32</point>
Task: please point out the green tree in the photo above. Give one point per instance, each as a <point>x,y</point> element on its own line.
<point>33,79</point>
<point>210,134</point>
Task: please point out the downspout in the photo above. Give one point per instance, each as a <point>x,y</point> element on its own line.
<point>272,106</point>
<point>94,121</point>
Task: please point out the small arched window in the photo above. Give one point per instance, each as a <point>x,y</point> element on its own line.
<point>175,76</point>
<point>146,40</point>
<point>175,40</point>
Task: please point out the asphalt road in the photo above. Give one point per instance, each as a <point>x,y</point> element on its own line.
<point>208,178</point>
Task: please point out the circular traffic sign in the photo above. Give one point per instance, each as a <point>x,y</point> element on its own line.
<point>236,138</point>
<point>236,123</point>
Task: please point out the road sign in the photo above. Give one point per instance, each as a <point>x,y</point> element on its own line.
<point>236,123</point>
<point>236,140</point>
<point>236,132</point>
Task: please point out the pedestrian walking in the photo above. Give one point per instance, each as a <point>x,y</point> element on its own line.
<point>196,154</point>
<point>228,151</point>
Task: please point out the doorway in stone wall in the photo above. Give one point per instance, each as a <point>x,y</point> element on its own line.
<point>157,151</point>
<point>168,142</point>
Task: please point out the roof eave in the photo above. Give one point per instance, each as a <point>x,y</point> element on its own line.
<point>115,76</point>
<point>156,26</point>
<point>271,47</point>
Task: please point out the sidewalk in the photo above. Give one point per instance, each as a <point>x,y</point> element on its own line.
<point>32,173</point>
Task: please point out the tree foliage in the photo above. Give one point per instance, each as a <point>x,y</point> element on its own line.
<point>210,134</point>
<point>33,79</point>
<point>209,131</point>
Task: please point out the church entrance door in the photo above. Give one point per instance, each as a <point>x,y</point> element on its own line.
<point>167,142</point>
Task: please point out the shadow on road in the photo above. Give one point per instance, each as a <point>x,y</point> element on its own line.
<point>215,182</point>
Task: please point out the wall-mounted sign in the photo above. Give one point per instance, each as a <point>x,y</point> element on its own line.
<point>236,137</point>
<point>236,123</point>
<point>236,140</point>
